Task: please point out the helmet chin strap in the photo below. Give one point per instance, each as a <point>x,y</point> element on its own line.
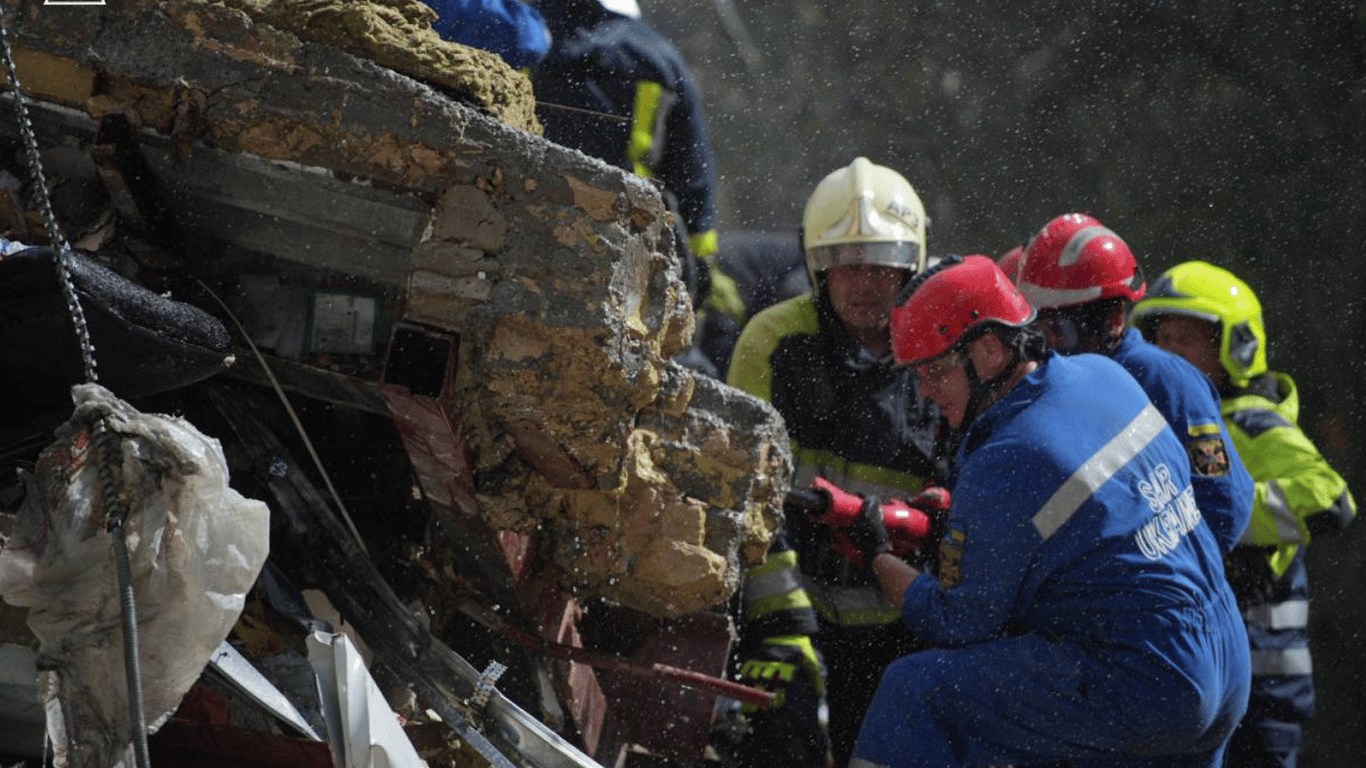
<point>1076,329</point>
<point>983,392</point>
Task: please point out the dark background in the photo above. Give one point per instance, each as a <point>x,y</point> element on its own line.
<point>1221,130</point>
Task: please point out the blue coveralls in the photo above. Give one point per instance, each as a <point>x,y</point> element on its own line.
<point>1189,402</point>
<point>1081,611</point>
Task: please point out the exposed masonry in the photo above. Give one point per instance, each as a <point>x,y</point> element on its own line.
<point>649,485</point>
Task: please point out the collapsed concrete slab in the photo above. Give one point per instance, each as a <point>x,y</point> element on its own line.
<point>336,205</point>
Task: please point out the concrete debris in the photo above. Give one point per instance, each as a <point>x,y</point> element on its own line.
<point>692,498</point>
<point>398,34</point>
<point>299,132</point>
<point>479,323</point>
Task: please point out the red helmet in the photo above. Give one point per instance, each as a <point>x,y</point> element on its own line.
<point>1075,259</point>
<point>1010,263</point>
<point>950,303</point>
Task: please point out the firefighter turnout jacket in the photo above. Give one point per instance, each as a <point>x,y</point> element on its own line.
<point>615,88</point>
<point>860,423</point>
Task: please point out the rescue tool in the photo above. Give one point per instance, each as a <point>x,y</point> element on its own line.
<point>910,528</point>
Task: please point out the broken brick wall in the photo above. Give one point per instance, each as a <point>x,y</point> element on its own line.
<point>555,273</point>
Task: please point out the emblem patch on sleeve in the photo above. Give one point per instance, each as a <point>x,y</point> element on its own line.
<point>951,558</point>
<point>1209,457</point>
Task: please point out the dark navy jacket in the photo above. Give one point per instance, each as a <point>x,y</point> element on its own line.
<point>589,88</point>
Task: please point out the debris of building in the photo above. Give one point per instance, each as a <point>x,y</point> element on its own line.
<point>453,383</point>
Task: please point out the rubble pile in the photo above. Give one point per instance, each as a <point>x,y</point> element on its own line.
<point>398,34</point>
<point>316,147</point>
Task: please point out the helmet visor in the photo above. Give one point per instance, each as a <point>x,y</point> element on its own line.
<point>901,253</point>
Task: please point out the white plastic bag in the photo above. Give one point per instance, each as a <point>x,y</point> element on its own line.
<point>196,547</point>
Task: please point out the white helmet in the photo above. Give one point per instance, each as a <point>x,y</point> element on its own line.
<point>624,7</point>
<point>863,214</point>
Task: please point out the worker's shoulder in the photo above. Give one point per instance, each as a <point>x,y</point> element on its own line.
<point>1151,364</point>
<point>791,317</point>
<point>621,42</point>
<point>1070,392</point>
<point>1270,401</point>
<point>1067,412</point>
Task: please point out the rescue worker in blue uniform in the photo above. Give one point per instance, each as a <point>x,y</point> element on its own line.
<point>1212,318</point>
<point>1083,280</point>
<point>823,359</point>
<point>614,88</point>
<point>1080,610</point>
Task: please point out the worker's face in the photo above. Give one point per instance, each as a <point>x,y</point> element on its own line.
<point>1194,339</point>
<point>945,381</point>
<point>863,295</point>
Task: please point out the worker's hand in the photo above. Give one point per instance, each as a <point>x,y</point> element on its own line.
<point>934,500</point>
<point>783,664</point>
<point>724,296</point>
<point>793,730</point>
<point>843,507</point>
<point>868,532</point>
<point>858,529</point>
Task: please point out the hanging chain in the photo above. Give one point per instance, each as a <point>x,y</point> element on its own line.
<point>108,443</point>
<point>60,248</point>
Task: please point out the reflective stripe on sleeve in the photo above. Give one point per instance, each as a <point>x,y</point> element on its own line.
<point>760,585</point>
<point>1291,614</point>
<point>705,245</point>
<point>1289,661</point>
<point>652,104</point>
<point>1097,470</point>
<point>1287,524</point>
<point>775,561</point>
<point>852,606</point>
<point>774,586</point>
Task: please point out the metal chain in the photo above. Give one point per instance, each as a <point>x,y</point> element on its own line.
<point>60,248</point>
<point>108,443</point>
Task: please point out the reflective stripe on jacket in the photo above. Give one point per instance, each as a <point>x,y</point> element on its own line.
<point>1298,494</point>
<point>857,422</point>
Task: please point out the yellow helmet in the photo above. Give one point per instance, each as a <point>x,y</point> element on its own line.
<point>1201,290</point>
<point>863,213</point>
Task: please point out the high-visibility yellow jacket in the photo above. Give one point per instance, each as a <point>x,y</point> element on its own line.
<point>1299,495</point>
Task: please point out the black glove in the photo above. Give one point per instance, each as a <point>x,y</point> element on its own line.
<point>792,732</point>
<point>868,533</point>
<point>1249,572</point>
